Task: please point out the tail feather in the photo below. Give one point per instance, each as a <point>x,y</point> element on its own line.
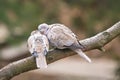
<point>41,61</point>
<point>83,55</point>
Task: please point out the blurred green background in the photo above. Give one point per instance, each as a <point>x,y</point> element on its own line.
<point>85,17</point>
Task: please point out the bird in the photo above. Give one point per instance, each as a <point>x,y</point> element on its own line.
<point>62,37</point>
<point>38,46</point>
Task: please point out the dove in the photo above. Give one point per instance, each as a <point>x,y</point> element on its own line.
<point>62,37</point>
<point>38,46</point>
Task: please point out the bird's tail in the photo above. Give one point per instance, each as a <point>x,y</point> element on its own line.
<point>41,61</point>
<point>83,55</point>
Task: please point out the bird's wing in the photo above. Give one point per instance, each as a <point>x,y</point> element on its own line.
<point>61,35</point>
<point>29,43</point>
<point>46,42</point>
<point>65,29</point>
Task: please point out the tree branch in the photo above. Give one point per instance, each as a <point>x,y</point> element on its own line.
<point>95,42</point>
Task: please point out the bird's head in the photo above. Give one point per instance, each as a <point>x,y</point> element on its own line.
<point>34,32</point>
<point>43,28</point>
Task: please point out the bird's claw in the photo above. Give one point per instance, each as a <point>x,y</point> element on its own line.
<point>35,54</point>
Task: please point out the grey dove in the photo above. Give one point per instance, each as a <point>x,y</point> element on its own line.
<point>62,37</point>
<point>38,46</point>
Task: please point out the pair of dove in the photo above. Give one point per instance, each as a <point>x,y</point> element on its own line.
<point>57,35</point>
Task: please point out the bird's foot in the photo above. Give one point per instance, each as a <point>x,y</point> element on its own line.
<point>34,54</point>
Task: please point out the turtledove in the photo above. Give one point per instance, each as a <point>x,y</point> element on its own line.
<point>62,37</point>
<point>38,46</point>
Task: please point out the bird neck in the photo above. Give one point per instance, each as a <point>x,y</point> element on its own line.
<point>48,30</point>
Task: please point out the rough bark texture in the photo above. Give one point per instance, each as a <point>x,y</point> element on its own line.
<point>95,42</point>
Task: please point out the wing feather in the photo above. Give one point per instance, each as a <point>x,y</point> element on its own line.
<point>61,36</point>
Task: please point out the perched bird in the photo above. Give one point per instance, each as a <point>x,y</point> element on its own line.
<point>38,46</point>
<point>62,37</point>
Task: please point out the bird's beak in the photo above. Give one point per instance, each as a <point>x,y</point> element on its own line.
<point>42,32</point>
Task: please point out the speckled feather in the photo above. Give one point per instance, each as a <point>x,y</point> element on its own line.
<point>62,37</point>
<point>38,43</point>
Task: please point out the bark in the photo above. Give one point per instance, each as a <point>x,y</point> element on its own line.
<point>27,64</point>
